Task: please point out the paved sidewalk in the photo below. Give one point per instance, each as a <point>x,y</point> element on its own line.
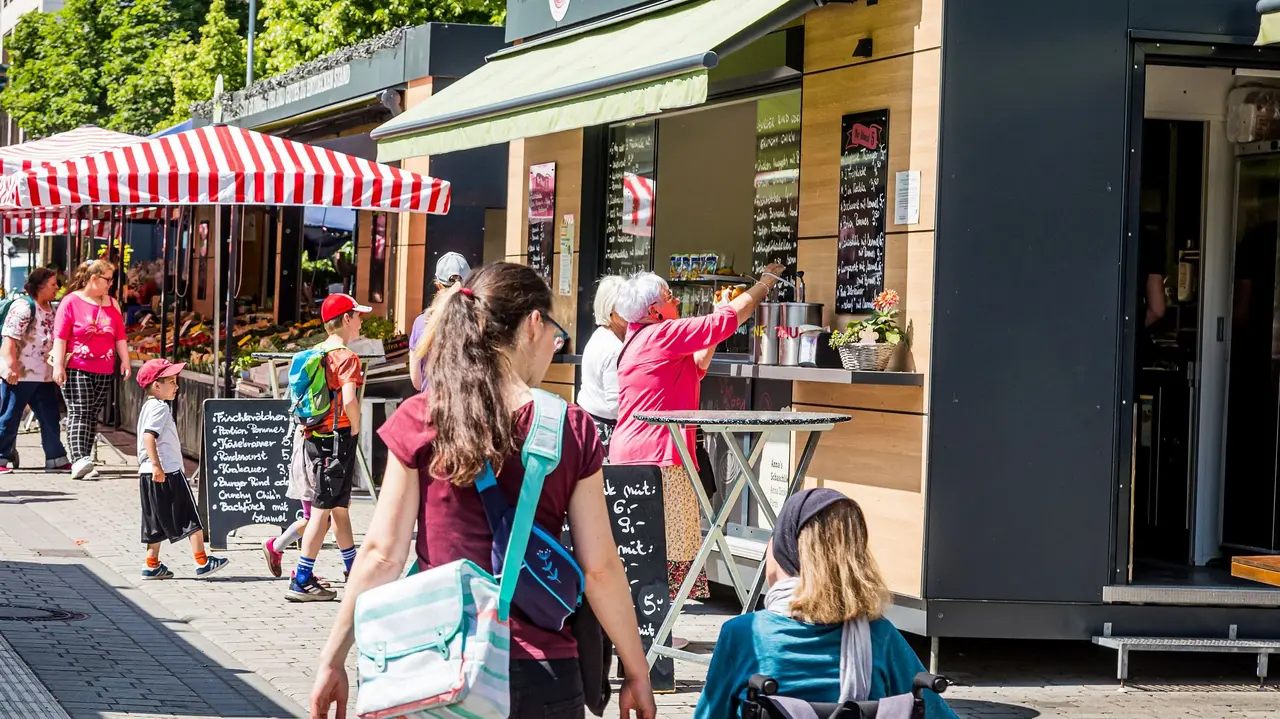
<point>232,647</point>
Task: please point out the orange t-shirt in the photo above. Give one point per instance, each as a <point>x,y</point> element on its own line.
<point>341,367</point>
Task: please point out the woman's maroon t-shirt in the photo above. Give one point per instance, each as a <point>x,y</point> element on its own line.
<point>453,517</point>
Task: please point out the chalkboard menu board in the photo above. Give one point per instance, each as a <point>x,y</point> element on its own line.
<point>631,199</point>
<point>247,447</point>
<point>777,202</point>
<point>634,496</point>
<point>542,217</point>
<point>864,184</point>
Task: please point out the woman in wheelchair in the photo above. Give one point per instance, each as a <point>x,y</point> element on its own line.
<point>821,635</point>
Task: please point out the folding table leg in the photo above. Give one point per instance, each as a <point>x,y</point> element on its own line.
<point>802,468</point>
<point>716,530</point>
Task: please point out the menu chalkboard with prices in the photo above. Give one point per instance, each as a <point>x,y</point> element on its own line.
<point>247,447</point>
<point>634,496</point>
<point>631,199</point>
<point>542,217</point>
<point>864,185</point>
<point>777,181</point>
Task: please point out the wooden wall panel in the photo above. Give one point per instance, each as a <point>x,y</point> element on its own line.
<point>561,373</point>
<point>564,390</point>
<point>899,27</point>
<point>876,398</point>
<point>877,459</point>
<point>908,87</point>
<point>564,149</point>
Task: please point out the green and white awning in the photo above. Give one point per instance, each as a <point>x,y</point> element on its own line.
<point>652,62</point>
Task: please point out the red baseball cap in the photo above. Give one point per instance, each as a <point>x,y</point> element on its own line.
<point>337,305</point>
<point>155,369</point>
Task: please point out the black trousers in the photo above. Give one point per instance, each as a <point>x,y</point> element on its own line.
<point>550,689</point>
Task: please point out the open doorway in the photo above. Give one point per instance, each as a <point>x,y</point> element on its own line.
<point>1206,482</point>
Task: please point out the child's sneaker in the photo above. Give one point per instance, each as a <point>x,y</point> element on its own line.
<point>5,467</point>
<point>319,579</point>
<point>273,558</point>
<point>160,572</point>
<point>309,591</point>
<point>212,565</point>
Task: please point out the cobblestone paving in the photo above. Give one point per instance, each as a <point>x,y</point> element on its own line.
<point>232,647</point>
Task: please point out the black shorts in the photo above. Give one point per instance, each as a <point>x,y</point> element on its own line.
<point>168,509</point>
<point>333,459</point>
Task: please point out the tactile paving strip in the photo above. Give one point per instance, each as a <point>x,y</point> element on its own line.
<point>22,696</point>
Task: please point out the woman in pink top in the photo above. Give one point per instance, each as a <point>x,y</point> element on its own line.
<point>660,368</point>
<point>88,334</point>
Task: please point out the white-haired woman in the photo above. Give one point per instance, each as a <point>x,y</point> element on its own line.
<point>599,392</point>
<point>660,369</point>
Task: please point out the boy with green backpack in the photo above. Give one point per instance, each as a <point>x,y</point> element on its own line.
<point>324,389</point>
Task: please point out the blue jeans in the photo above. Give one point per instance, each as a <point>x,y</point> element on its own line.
<point>42,397</point>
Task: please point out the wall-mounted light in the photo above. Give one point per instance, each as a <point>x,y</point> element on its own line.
<point>863,48</point>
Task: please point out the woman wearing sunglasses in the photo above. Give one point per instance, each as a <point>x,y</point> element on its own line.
<point>660,369</point>
<point>88,333</point>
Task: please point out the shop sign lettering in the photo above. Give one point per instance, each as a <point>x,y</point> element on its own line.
<point>295,92</point>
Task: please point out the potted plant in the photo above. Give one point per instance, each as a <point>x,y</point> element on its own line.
<point>869,344</point>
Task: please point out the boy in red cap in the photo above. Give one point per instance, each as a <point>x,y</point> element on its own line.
<point>331,448</point>
<point>168,509</point>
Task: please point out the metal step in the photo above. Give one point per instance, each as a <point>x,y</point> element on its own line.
<point>1232,644</point>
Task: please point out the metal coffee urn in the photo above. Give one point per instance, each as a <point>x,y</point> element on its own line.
<point>764,336</point>
<point>796,318</point>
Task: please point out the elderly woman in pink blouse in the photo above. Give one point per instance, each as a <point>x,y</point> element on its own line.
<point>660,369</point>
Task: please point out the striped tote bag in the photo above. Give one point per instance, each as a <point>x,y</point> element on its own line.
<point>437,643</point>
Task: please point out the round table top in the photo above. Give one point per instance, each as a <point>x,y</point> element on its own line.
<point>741,417</point>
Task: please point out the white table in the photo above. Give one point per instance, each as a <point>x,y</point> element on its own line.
<point>728,424</point>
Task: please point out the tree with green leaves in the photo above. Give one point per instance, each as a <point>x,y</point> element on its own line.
<point>221,51</point>
<point>54,78</point>
<point>140,93</point>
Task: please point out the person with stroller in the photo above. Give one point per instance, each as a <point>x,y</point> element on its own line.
<point>822,634</point>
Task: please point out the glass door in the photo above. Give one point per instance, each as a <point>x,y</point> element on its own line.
<point>1251,488</point>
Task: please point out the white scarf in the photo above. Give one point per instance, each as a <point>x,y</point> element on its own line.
<point>855,642</point>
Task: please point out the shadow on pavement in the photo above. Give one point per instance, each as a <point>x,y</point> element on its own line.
<point>117,658</point>
<point>990,710</point>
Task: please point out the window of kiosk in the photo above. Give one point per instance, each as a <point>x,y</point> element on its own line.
<point>707,199</point>
<point>329,254</point>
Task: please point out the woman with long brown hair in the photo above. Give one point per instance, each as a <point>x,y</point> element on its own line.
<point>490,339</point>
<point>89,338</point>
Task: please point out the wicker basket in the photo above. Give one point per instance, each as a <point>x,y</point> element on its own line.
<point>866,358</point>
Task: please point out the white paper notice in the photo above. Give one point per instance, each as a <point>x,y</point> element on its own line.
<point>775,471</point>
<point>566,256</point>
<point>907,198</point>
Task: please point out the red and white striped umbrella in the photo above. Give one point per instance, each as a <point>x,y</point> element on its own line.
<point>61,147</point>
<point>224,165</point>
<point>51,225</point>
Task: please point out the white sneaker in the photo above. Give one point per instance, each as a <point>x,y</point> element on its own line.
<point>82,468</point>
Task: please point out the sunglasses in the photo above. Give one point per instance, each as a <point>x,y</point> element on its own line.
<point>562,337</point>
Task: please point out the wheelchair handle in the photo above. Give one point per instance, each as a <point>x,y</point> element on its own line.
<point>933,682</point>
<point>760,685</point>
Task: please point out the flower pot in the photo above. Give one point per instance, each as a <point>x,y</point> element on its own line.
<point>866,358</point>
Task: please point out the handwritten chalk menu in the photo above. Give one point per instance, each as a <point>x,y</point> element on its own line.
<point>631,199</point>
<point>247,447</point>
<point>542,217</point>
<point>634,496</point>
<point>777,202</point>
<point>864,184</point>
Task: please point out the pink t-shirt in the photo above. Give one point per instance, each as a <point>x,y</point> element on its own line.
<point>657,372</point>
<point>91,332</point>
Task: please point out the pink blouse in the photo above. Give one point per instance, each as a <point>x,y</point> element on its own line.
<point>657,372</point>
<point>91,332</point>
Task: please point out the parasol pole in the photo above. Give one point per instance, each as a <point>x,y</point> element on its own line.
<point>217,251</point>
<point>234,242</point>
<point>164,279</point>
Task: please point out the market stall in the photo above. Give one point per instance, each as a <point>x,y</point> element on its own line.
<point>224,166</point>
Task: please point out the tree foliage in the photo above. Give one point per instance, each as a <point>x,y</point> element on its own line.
<point>138,65</point>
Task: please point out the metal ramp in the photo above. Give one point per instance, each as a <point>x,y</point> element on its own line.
<point>1264,648</point>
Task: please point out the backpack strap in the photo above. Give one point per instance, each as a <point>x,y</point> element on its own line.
<point>540,456</point>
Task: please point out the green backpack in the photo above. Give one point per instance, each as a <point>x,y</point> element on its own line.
<point>7,304</point>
